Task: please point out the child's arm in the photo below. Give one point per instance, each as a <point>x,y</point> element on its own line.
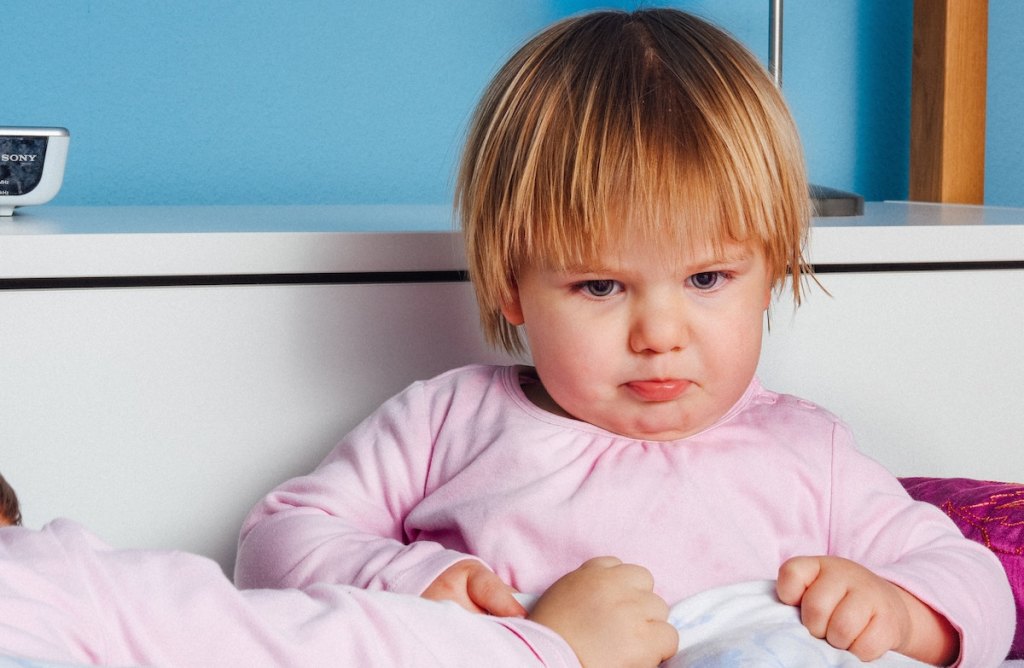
<point>345,522</point>
<point>852,608</point>
<point>606,610</point>
<point>603,614</point>
<point>916,547</point>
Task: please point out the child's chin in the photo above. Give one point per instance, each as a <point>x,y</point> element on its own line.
<point>653,431</point>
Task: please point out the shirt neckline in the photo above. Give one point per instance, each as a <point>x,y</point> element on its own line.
<point>512,374</point>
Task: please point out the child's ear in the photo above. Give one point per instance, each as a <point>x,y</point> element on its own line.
<point>512,309</point>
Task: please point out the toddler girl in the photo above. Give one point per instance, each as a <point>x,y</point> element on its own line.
<point>631,194</point>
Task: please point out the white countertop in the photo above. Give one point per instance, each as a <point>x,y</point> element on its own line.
<point>58,242</point>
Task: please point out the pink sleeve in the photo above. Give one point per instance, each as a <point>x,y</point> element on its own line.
<point>917,547</point>
<point>66,597</point>
<point>343,523</point>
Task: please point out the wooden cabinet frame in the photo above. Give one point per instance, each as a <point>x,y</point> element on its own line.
<point>947,136</point>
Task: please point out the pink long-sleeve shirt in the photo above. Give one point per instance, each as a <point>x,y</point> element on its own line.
<point>464,464</point>
<point>67,597</point>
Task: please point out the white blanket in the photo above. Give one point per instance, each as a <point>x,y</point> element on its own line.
<point>746,625</point>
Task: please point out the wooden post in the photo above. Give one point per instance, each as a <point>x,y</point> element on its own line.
<point>947,109</point>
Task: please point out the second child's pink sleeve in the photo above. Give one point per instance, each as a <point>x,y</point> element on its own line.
<point>343,523</point>
<point>66,597</point>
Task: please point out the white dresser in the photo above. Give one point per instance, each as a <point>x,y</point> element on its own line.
<point>162,367</point>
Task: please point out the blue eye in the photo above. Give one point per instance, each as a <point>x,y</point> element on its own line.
<point>706,280</point>
<point>600,288</point>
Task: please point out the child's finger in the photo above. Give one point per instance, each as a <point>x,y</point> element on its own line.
<point>636,575</point>
<point>849,621</point>
<point>665,639</point>
<point>873,641</point>
<point>603,562</point>
<point>489,592</point>
<point>795,576</point>
<point>504,605</point>
<point>817,612</point>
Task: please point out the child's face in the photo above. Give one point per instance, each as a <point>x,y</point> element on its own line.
<point>649,342</point>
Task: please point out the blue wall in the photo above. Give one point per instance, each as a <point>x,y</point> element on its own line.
<point>365,102</point>
<point>1004,129</point>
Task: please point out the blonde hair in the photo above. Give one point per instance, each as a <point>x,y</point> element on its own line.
<point>656,113</point>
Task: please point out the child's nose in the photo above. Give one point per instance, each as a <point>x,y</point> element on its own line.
<point>658,328</point>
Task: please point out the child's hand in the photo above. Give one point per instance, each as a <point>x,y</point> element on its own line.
<point>610,616</point>
<point>853,609</point>
<point>476,588</point>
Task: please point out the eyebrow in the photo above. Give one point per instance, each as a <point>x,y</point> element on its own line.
<point>730,258</point>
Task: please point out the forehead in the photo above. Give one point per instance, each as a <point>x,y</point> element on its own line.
<point>638,253</point>
<point>683,219</point>
<point>683,225</point>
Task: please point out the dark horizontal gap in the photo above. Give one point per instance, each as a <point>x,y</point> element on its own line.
<point>879,267</point>
<point>391,277</point>
<point>319,278</point>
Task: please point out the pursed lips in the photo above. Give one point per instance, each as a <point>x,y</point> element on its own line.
<point>658,389</point>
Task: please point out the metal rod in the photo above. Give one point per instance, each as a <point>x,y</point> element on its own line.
<point>775,41</point>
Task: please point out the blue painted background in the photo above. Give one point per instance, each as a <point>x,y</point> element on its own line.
<point>365,102</point>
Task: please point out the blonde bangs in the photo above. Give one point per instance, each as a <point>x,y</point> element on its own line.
<point>614,125</point>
